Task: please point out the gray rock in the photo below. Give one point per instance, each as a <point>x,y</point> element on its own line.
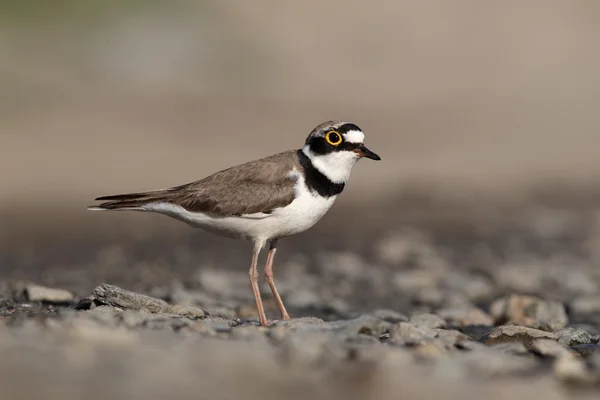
<point>572,336</point>
<point>116,297</point>
<point>462,316</point>
<point>549,348</point>
<point>124,299</point>
<point>48,295</point>
<point>522,334</point>
<point>187,311</point>
<point>530,311</point>
<point>450,338</point>
<point>405,333</point>
<point>427,320</point>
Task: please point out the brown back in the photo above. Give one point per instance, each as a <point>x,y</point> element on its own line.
<point>257,186</point>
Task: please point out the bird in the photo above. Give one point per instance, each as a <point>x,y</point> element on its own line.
<point>262,200</point>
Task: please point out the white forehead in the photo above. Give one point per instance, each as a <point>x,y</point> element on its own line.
<point>354,136</point>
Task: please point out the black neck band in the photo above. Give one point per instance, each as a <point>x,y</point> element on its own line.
<point>316,181</point>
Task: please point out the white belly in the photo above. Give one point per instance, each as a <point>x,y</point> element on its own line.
<point>296,217</point>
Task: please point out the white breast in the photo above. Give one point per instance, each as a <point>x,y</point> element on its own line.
<point>302,213</point>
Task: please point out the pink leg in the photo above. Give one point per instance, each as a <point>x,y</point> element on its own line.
<point>271,282</point>
<point>253,274</point>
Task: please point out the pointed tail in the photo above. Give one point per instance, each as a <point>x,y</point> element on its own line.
<point>128,201</point>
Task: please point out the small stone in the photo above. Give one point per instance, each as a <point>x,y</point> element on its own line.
<point>462,316</point>
<point>507,334</point>
<point>549,348</point>
<point>127,300</point>
<point>428,320</point>
<point>530,311</point>
<point>573,336</point>
<point>587,349</point>
<point>48,295</point>
<point>390,316</point>
<point>449,338</point>
<point>407,334</point>
<point>86,303</point>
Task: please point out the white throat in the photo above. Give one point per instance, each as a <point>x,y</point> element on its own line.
<point>336,166</point>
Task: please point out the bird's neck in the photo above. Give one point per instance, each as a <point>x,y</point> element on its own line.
<point>316,180</point>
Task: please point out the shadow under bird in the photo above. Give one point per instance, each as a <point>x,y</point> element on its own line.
<point>262,200</point>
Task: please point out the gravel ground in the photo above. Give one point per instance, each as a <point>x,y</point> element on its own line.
<point>492,305</point>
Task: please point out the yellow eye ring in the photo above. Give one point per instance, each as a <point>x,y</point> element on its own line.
<point>333,138</point>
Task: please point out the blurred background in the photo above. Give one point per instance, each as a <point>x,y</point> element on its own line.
<point>485,115</point>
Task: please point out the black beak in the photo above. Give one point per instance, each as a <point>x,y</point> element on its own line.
<point>364,152</point>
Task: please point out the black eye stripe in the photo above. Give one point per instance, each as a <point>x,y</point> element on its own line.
<point>318,145</point>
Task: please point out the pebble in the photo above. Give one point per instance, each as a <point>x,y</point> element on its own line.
<point>48,295</point>
<point>529,311</point>
<point>406,334</point>
<point>127,300</point>
<point>512,333</point>
<point>572,336</point>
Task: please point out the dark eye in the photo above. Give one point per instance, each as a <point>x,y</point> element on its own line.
<point>333,138</point>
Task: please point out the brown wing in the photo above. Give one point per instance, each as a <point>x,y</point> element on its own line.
<point>254,187</point>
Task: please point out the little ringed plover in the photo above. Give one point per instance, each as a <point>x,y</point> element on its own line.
<point>262,200</point>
